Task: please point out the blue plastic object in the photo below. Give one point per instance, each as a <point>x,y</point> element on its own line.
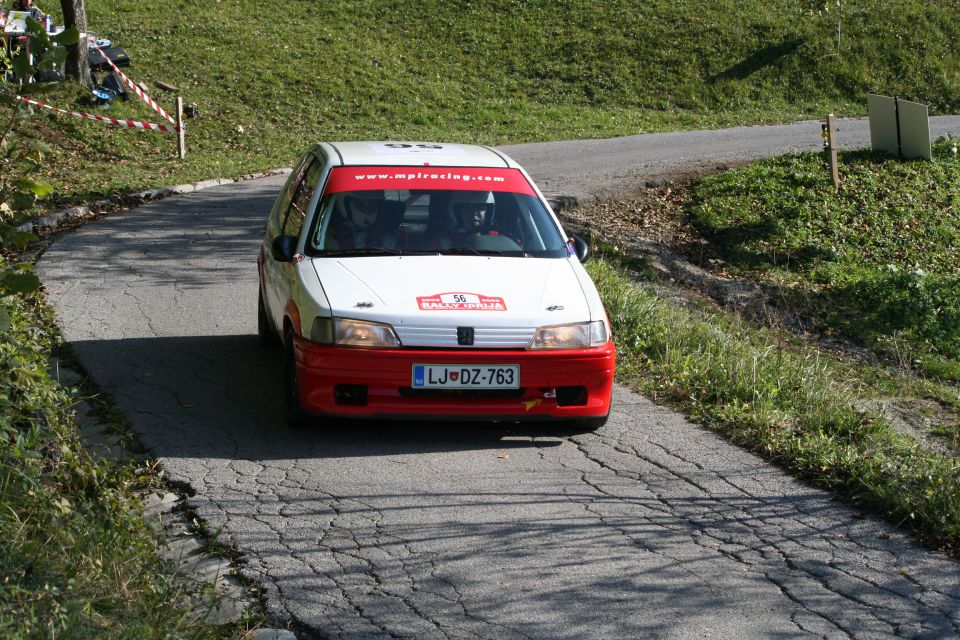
<point>103,96</point>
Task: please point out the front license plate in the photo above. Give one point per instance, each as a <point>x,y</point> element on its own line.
<point>466,376</point>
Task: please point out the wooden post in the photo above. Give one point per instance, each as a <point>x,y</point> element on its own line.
<point>181,139</point>
<point>832,148</point>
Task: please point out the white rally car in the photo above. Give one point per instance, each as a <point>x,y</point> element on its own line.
<point>420,280</point>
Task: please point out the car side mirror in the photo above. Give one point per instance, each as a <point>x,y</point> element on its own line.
<point>284,247</point>
<point>581,248</point>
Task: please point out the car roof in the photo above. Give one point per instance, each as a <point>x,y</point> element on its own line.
<point>405,153</point>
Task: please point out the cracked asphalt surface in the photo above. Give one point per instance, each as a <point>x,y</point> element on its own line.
<point>650,528</point>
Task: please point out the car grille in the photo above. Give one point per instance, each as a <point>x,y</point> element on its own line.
<point>483,338</point>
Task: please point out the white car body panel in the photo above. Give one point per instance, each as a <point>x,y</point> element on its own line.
<point>387,288</point>
<point>400,290</point>
<point>458,252</point>
<point>417,154</point>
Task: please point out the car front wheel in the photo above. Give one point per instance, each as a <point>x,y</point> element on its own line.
<point>268,338</point>
<point>293,412</point>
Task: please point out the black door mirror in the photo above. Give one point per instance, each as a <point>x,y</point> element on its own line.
<point>284,248</point>
<point>581,248</point>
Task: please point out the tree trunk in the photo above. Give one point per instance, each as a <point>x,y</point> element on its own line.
<point>77,66</point>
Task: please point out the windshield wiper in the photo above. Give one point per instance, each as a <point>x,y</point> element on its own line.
<point>362,251</point>
<point>468,251</point>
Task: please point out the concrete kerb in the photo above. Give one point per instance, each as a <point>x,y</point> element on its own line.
<point>179,541</point>
<point>84,212</point>
<point>177,544</point>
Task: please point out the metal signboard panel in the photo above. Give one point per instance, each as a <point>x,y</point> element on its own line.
<point>914,130</point>
<point>883,123</point>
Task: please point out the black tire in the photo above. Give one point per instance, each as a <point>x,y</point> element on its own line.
<point>587,425</point>
<point>268,337</point>
<point>293,412</point>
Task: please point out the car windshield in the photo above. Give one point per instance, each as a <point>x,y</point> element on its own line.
<point>410,221</point>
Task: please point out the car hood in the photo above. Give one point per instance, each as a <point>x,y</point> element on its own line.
<point>426,298</point>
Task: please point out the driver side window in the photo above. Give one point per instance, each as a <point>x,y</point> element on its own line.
<point>297,212</point>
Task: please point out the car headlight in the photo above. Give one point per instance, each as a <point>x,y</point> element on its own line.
<point>579,335</point>
<point>360,333</point>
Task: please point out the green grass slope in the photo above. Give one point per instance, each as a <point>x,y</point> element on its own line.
<point>268,78</point>
<point>875,262</point>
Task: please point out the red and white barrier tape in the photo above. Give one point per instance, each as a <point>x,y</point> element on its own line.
<point>140,92</point>
<point>136,124</point>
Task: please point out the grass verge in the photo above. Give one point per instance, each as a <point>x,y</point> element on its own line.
<point>266,81</point>
<point>78,560</point>
<point>269,79</point>
<point>875,261</point>
<point>788,402</point>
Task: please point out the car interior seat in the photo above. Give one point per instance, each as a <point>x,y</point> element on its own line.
<point>390,216</point>
<point>438,224</point>
<point>386,229</point>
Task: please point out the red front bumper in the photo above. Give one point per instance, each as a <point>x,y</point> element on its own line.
<point>387,376</point>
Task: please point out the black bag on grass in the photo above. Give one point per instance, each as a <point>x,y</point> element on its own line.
<point>116,55</point>
<point>113,83</point>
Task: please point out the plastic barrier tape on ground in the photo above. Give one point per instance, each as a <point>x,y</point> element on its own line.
<point>133,87</point>
<point>90,116</point>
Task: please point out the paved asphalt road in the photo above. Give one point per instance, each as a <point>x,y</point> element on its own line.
<point>591,169</point>
<point>652,527</point>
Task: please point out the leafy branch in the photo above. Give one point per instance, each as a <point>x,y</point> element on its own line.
<point>21,154</point>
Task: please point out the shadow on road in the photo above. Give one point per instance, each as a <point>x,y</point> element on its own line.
<point>219,396</point>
